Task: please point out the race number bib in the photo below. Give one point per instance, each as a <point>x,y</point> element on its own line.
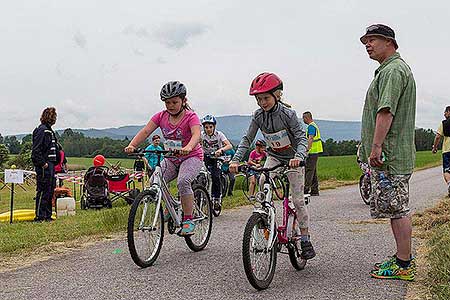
<point>278,140</point>
<point>173,145</point>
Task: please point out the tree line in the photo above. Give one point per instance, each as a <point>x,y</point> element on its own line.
<point>78,145</point>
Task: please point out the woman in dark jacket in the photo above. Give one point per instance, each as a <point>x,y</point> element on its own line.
<point>45,155</point>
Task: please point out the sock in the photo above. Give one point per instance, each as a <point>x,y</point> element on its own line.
<point>403,263</point>
<point>304,238</point>
<point>187,217</point>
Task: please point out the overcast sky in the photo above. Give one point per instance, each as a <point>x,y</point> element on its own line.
<point>102,63</point>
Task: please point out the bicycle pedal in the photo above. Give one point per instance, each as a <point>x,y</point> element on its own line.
<point>184,235</point>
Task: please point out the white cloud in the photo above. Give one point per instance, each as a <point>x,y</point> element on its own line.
<point>177,35</point>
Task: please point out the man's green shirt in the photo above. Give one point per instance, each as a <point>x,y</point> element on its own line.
<point>392,88</point>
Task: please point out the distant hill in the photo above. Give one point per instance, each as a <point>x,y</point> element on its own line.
<point>234,128</point>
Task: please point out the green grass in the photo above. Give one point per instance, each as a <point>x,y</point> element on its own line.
<point>20,237</point>
<point>434,227</point>
<point>87,161</point>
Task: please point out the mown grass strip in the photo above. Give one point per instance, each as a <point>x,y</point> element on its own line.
<point>434,230</point>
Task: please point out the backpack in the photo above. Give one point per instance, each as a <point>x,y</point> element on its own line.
<point>59,168</point>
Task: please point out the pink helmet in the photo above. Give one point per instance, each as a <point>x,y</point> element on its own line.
<point>265,83</point>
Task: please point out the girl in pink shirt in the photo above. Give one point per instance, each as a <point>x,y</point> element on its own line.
<point>180,127</point>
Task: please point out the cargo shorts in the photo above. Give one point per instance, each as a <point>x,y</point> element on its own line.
<point>389,196</point>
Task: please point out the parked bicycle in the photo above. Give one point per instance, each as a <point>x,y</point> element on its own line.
<point>364,182</point>
<point>145,230</point>
<point>262,238</point>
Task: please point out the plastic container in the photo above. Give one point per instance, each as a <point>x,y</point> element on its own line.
<point>65,206</point>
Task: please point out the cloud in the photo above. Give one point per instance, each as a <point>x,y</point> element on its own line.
<point>138,52</point>
<point>161,60</point>
<point>80,39</point>
<point>72,114</point>
<point>140,32</point>
<point>176,36</point>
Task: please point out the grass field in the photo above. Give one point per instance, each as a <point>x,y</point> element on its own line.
<point>23,237</point>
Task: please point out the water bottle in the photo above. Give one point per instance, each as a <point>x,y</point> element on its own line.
<point>384,180</point>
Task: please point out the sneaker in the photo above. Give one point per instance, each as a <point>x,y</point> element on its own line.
<point>307,250</point>
<point>385,263</point>
<point>216,203</point>
<point>388,262</point>
<point>394,271</point>
<point>187,228</point>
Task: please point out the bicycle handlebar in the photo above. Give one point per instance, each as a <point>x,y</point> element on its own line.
<point>245,168</point>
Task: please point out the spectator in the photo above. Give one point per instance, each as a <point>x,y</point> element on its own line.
<point>444,133</point>
<point>151,158</point>
<point>44,156</point>
<point>314,149</point>
<point>256,159</point>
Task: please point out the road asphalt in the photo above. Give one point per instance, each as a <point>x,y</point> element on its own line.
<point>347,243</point>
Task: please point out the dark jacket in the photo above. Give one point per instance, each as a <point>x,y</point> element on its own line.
<point>45,147</point>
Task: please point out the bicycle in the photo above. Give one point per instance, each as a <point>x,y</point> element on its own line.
<point>204,179</point>
<point>364,182</point>
<point>262,238</point>
<point>145,231</point>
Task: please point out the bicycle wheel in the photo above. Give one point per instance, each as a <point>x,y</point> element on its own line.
<point>259,262</point>
<point>224,185</point>
<point>278,187</point>
<point>83,202</point>
<point>203,220</point>
<point>364,188</point>
<point>294,255</point>
<point>144,239</point>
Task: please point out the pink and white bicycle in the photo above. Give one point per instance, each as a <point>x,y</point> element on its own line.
<point>262,238</point>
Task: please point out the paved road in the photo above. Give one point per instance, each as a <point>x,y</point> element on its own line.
<point>346,251</point>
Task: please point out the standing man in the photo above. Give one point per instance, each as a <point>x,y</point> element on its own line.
<point>444,131</point>
<point>45,155</point>
<point>387,144</point>
<point>314,149</point>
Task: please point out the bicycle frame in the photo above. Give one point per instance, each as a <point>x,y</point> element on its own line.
<point>160,187</point>
<point>284,232</point>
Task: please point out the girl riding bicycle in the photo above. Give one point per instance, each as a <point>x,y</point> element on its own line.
<point>214,143</point>
<point>287,144</point>
<point>180,127</point>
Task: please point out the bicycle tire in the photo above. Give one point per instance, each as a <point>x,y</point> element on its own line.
<point>259,222</point>
<point>224,185</point>
<point>279,187</point>
<point>200,238</point>
<point>296,259</point>
<point>365,194</point>
<point>132,232</point>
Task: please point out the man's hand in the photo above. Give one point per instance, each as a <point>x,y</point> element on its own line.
<point>218,153</point>
<point>45,166</point>
<point>434,149</point>
<point>375,159</point>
